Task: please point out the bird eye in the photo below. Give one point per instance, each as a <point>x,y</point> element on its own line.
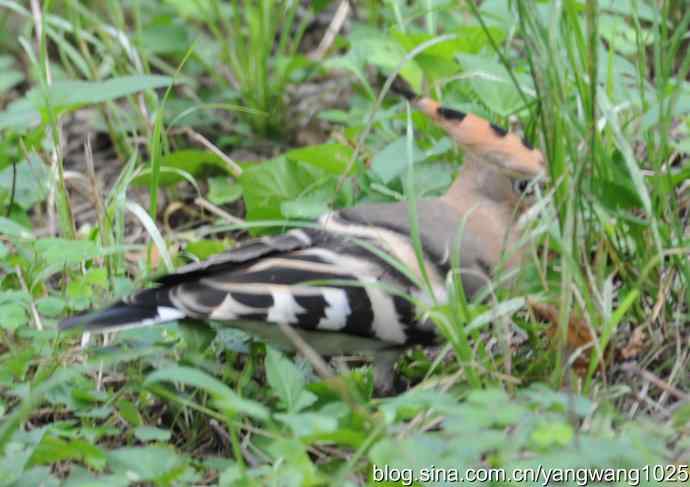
<point>521,185</point>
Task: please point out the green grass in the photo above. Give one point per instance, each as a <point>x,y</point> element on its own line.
<point>601,87</point>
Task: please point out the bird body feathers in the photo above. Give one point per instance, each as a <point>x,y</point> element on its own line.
<point>350,283</point>
<point>314,279</point>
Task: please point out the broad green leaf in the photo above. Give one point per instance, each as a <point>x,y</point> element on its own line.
<point>432,178</point>
<point>196,338</point>
<point>31,183</point>
<point>287,381</point>
<point>20,115</point>
<point>266,186</point>
<point>681,416</point>
<point>50,306</point>
<point>205,248</point>
<point>616,195</point>
<point>15,296</point>
<point>96,413</point>
<point>546,398</point>
<point>413,401</point>
<point>622,36</point>
<point>82,289</point>
<point>222,190</point>
<point>294,467</point>
<point>165,36</point>
<point>53,449</point>
<point>199,9</point>
<point>615,189</point>
<point>38,389</point>
<point>191,161</point>
<point>492,83</point>
<point>80,477</point>
<point>6,62</point>
<point>374,47</point>
<point>470,39</point>
<point>9,79</point>
<point>97,276</point>
<point>89,395</point>
<point>412,453</point>
<point>13,229</point>
<point>223,396</point>
<point>552,434</point>
<point>485,409</point>
<point>12,316</point>
<point>37,476</point>
<point>71,94</point>
<point>61,252</point>
<point>65,95</point>
<point>352,63</point>
<point>309,206</point>
<point>17,363</point>
<point>308,424</point>
<point>235,476</point>
<point>304,208</point>
<point>333,158</point>
<point>9,76</point>
<point>392,160</point>
<point>129,412</point>
<point>150,463</point>
<point>150,433</point>
<point>13,461</point>
<point>438,60</point>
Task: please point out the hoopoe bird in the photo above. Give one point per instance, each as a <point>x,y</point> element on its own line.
<point>332,283</point>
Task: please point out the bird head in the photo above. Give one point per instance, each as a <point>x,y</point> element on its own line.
<point>483,140</point>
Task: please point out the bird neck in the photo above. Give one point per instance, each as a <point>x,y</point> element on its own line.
<point>479,181</point>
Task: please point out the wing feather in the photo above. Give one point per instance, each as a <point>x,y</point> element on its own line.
<point>240,255</point>
<point>315,280</point>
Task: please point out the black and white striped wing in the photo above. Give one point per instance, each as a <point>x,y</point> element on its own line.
<point>155,305</point>
<point>319,281</point>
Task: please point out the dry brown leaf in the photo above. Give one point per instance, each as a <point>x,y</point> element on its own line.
<point>635,344</point>
<point>579,333</point>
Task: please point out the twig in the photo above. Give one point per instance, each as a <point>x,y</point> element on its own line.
<point>245,445</point>
<point>207,205</point>
<point>661,384</point>
<point>643,398</point>
<point>333,28</point>
<point>99,374</point>
<point>215,426</point>
<point>235,169</point>
<point>679,365</point>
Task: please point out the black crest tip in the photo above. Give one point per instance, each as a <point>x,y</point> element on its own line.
<point>402,88</point>
<point>451,114</point>
<point>500,131</point>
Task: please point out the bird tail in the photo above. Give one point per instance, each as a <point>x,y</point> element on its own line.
<point>142,309</point>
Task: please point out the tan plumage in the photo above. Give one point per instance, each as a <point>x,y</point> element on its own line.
<point>271,280</point>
